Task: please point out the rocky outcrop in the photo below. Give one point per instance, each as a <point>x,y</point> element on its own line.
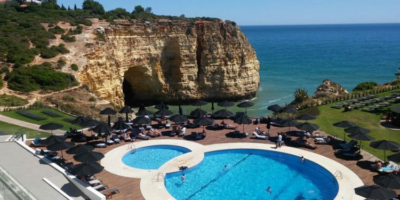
<point>329,88</point>
<point>173,61</point>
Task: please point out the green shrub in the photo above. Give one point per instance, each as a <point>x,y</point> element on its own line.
<point>89,45</point>
<point>68,98</point>
<point>67,38</point>
<point>57,30</point>
<point>61,49</point>
<point>365,86</point>
<point>78,30</point>
<point>1,83</point>
<point>11,100</point>
<point>27,79</point>
<point>74,67</point>
<point>92,99</point>
<point>61,63</point>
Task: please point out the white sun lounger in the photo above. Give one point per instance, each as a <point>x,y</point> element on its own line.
<point>264,137</point>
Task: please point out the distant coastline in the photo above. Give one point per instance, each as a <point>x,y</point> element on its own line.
<point>389,23</point>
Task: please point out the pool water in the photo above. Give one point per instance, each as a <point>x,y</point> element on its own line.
<point>248,175</point>
<point>152,157</point>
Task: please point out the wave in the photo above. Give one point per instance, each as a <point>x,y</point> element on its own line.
<point>260,88</point>
<point>274,100</point>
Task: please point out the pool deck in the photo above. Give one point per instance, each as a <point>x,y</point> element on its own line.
<point>130,188</point>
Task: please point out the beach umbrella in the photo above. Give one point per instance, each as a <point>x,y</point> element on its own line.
<point>243,119</point>
<point>161,105</point>
<point>203,121</point>
<point>306,117</point>
<point>200,103</point>
<point>103,128</point>
<point>144,112</point>
<point>87,169</point>
<point>307,127</point>
<point>198,113</point>
<point>225,104</point>
<point>89,156</point>
<point>388,181</point>
<point>108,112</point>
<point>163,112</point>
<point>59,146</point>
<point>141,120</point>
<point>80,149</point>
<point>91,123</point>
<point>394,157</point>
<point>223,113</point>
<point>120,125</point>
<point>289,123</point>
<point>50,126</point>
<point>53,139</point>
<point>344,124</point>
<point>126,110</point>
<point>245,105</point>
<point>384,145</point>
<point>274,108</point>
<point>375,192</point>
<point>178,118</point>
<point>361,137</point>
<point>288,109</point>
<point>357,130</point>
<point>79,120</point>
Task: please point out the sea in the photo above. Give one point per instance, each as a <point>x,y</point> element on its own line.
<point>302,56</point>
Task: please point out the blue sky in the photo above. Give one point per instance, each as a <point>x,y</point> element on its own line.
<point>269,12</point>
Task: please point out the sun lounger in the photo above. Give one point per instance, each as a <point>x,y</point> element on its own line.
<point>101,145</point>
<point>100,187</point>
<point>183,132</point>
<point>95,182</point>
<point>37,142</point>
<point>168,124</point>
<point>349,145</point>
<point>115,139</point>
<point>143,137</point>
<point>109,141</point>
<point>109,192</point>
<point>321,141</point>
<point>260,136</point>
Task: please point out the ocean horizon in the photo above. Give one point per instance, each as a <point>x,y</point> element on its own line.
<point>302,56</point>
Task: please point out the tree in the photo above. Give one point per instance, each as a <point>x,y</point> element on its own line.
<point>148,10</point>
<point>138,9</point>
<point>75,8</point>
<point>118,13</point>
<point>93,6</point>
<point>62,7</point>
<point>69,8</point>
<point>300,95</point>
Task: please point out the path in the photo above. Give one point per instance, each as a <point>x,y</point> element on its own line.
<point>27,125</point>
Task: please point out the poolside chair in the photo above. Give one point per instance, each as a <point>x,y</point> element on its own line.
<point>259,136</point>
<point>100,187</point>
<point>115,139</point>
<point>110,192</point>
<point>95,182</point>
<point>183,132</point>
<point>168,124</point>
<point>174,130</point>
<point>101,145</point>
<point>37,142</point>
<point>348,146</point>
<point>109,141</point>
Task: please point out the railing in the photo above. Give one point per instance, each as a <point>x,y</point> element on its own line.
<point>338,174</point>
<point>160,174</point>
<point>131,146</point>
<point>14,186</point>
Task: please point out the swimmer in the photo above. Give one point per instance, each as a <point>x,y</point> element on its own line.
<point>302,159</point>
<point>269,190</point>
<point>183,177</point>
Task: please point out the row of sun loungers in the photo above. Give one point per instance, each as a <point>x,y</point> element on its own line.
<point>30,115</point>
<point>51,113</point>
<point>98,185</point>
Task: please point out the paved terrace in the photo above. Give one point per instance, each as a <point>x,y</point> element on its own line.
<point>29,171</point>
<point>130,187</point>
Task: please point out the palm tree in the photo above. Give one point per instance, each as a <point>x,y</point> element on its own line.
<point>300,95</point>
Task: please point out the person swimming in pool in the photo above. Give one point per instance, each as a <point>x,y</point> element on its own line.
<point>183,177</point>
<point>269,190</point>
<point>225,168</point>
<point>303,159</point>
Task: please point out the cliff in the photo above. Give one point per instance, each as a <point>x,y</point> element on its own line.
<point>172,61</point>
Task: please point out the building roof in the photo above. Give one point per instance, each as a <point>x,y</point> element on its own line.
<point>29,171</point>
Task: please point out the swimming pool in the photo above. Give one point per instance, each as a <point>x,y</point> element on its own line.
<point>152,157</point>
<point>248,175</point>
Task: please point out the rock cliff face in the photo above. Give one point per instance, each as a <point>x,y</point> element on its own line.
<point>172,61</point>
<point>329,88</point>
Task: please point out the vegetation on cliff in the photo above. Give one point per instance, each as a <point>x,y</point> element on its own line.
<point>365,86</point>
<point>27,79</point>
<point>11,100</point>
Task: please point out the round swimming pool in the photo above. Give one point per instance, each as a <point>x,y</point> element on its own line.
<point>152,157</point>
<point>248,175</point>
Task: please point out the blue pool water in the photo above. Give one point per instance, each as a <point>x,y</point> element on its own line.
<point>249,174</point>
<point>152,157</point>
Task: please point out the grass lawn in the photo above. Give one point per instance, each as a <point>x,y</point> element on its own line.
<point>58,120</point>
<point>11,129</point>
<point>328,116</point>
